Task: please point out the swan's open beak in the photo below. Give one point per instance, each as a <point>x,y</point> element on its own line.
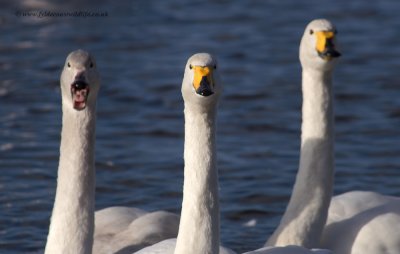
<point>325,46</point>
<point>79,93</point>
<point>202,81</point>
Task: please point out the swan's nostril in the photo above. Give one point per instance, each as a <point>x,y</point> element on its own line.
<point>79,85</point>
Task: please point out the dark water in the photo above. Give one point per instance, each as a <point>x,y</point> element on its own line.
<point>141,49</point>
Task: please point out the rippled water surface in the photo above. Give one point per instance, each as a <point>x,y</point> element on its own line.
<point>141,49</point>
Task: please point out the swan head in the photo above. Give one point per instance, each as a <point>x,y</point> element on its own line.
<point>201,84</point>
<point>318,47</point>
<point>80,81</point>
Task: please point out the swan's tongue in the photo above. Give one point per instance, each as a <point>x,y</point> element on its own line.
<point>80,92</point>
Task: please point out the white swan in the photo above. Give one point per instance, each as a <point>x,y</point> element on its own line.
<point>199,225</point>
<point>304,219</point>
<point>357,222</point>
<point>306,213</point>
<point>71,230</point>
<point>72,220</point>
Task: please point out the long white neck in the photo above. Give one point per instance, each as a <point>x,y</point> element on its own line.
<point>305,216</point>
<point>72,220</point>
<point>199,224</point>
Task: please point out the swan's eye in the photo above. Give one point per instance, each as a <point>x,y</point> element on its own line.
<point>311,31</point>
<point>68,64</point>
<point>91,65</point>
<point>190,66</point>
<point>215,67</point>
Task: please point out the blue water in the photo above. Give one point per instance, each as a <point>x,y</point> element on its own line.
<point>141,49</point>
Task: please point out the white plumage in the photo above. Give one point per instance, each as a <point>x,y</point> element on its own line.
<point>305,216</point>
<point>357,222</point>
<point>199,224</point>
<point>168,247</point>
<point>125,230</point>
<point>363,222</point>
<point>72,220</point>
<point>291,249</point>
<point>118,229</point>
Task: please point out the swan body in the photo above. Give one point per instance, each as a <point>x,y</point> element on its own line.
<point>305,216</point>
<point>72,221</point>
<point>74,227</point>
<point>168,247</point>
<point>199,223</point>
<point>112,220</point>
<point>363,222</point>
<point>125,230</point>
<point>290,249</point>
